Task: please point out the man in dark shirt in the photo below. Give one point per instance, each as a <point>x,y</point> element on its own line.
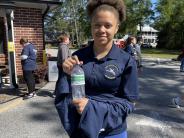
<point>28,61</point>
<point>63,49</point>
<point>63,53</point>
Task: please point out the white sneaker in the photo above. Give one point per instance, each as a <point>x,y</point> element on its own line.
<point>30,95</point>
<point>176,102</point>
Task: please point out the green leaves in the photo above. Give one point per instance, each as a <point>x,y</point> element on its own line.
<point>72,17</point>
<point>170,22</point>
<point>138,11</point>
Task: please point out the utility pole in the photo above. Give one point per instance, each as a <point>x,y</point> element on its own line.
<point>8,19</point>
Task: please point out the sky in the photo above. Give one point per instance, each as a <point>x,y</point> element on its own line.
<point>153,2</point>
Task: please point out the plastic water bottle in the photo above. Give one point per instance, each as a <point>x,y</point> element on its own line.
<point>78,82</point>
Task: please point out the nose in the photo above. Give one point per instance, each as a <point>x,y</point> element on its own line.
<point>102,29</point>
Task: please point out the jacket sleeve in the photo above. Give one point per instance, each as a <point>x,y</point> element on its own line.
<point>129,81</point>
<point>25,53</point>
<point>104,115</point>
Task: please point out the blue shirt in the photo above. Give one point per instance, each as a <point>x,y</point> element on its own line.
<point>29,54</point>
<point>131,49</point>
<point>111,85</point>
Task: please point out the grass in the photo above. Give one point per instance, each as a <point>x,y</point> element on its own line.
<point>159,53</point>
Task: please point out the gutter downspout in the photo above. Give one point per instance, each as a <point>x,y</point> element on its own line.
<point>44,51</point>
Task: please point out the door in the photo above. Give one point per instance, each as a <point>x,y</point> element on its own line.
<point>2,40</point>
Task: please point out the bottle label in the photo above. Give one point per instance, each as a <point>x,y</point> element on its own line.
<point>77,79</point>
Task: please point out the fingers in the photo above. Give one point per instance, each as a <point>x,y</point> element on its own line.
<point>80,104</point>
<point>75,58</point>
<point>69,63</point>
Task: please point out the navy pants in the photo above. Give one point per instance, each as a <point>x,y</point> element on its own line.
<point>30,80</point>
<point>182,65</point>
<point>60,71</point>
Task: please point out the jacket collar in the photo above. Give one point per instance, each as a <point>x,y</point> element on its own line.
<point>111,55</point>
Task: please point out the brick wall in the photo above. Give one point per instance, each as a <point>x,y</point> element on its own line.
<point>28,24</point>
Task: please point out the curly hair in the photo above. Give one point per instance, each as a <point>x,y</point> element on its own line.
<point>117,5</point>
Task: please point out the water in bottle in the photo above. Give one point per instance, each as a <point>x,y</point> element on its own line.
<point>78,82</point>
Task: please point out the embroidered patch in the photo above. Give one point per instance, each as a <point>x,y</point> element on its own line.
<point>111,71</point>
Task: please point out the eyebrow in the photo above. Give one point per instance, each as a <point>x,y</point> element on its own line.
<point>102,22</point>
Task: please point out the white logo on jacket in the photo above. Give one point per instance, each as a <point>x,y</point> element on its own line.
<point>111,71</point>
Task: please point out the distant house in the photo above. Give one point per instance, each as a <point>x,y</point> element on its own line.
<point>21,18</point>
<point>149,35</point>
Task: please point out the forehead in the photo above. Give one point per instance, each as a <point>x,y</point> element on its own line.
<point>104,16</point>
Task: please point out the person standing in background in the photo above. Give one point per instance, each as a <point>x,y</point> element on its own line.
<point>130,47</point>
<point>28,61</point>
<point>179,100</point>
<point>182,65</point>
<point>139,56</point>
<point>63,53</point>
<point>182,61</point>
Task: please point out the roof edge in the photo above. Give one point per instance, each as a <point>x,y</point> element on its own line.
<point>33,1</point>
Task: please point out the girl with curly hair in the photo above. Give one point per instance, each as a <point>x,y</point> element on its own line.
<point>110,79</point>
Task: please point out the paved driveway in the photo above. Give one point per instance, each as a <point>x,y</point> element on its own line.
<point>155,117</point>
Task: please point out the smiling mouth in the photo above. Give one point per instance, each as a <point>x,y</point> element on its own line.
<point>102,36</point>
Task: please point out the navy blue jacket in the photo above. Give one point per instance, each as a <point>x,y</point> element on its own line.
<point>131,50</point>
<point>29,52</point>
<point>111,85</point>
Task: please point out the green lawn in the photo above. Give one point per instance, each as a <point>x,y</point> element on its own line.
<point>159,53</point>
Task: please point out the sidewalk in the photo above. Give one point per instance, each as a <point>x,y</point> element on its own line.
<point>33,118</point>
<point>10,97</point>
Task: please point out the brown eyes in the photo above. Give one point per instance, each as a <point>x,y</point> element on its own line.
<point>107,26</point>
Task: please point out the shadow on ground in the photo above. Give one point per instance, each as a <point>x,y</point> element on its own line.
<point>159,83</point>
<point>46,113</point>
<point>8,94</point>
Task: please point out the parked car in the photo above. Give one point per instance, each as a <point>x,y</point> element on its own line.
<point>146,46</point>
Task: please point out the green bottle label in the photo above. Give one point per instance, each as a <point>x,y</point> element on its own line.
<point>77,79</point>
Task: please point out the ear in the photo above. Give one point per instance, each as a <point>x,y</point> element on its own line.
<point>117,28</point>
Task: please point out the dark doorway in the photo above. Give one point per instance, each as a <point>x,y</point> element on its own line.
<point>2,36</point>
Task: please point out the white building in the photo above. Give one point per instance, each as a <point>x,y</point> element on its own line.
<point>149,35</point>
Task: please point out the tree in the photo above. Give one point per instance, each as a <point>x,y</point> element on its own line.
<point>72,16</point>
<point>138,12</point>
<point>67,17</point>
<point>170,21</point>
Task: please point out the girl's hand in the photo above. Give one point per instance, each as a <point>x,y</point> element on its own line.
<point>80,104</point>
<point>69,63</point>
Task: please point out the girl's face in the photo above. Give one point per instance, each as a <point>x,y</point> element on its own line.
<point>104,26</point>
<point>67,40</point>
<point>134,41</point>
